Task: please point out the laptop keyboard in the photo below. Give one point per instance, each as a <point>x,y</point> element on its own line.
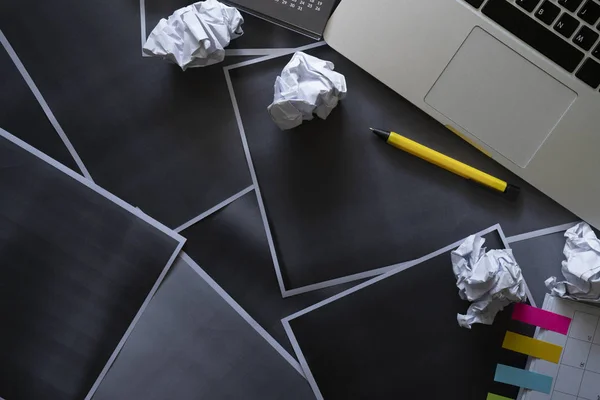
<point>565,31</point>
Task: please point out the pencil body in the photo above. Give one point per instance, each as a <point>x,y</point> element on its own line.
<point>443,161</point>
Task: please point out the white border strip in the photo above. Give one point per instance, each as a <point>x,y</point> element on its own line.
<point>115,353</point>
<point>286,321</point>
<point>283,52</point>
<point>261,205</point>
<point>259,329</point>
<point>541,232</point>
<point>38,95</point>
<point>256,52</point>
<point>135,211</point>
<point>345,279</point>
<point>401,268</point>
<point>143,25</point>
<point>214,209</point>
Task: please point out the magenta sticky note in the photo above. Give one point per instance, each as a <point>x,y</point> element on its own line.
<point>542,318</point>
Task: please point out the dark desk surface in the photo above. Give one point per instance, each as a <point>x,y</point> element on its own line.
<point>167,141</point>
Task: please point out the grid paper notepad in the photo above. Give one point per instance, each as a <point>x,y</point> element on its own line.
<point>577,375</point>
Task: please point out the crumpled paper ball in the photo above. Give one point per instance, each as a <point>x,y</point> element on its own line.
<point>307,86</point>
<point>581,268</point>
<point>196,35</point>
<point>491,280</point>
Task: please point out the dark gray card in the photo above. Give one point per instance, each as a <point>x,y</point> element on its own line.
<point>76,267</point>
<point>539,259</point>
<point>190,343</point>
<point>162,139</point>
<point>232,248</point>
<point>341,201</point>
<point>22,115</point>
<point>396,337</point>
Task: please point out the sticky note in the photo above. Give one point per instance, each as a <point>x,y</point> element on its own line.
<point>492,396</point>
<point>542,318</point>
<point>532,347</point>
<point>521,378</point>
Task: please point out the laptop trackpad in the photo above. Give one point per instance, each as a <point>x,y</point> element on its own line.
<point>500,97</point>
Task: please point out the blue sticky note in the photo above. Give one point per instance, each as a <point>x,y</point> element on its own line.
<point>525,379</point>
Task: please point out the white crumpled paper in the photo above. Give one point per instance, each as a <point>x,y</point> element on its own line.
<point>581,268</point>
<point>307,85</point>
<point>196,35</point>
<point>489,280</point>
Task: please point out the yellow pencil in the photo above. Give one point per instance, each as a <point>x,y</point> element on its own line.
<point>450,164</point>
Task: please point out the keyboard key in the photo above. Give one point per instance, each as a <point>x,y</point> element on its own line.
<point>596,52</point>
<point>570,5</point>
<point>533,33</point>
<point>585,38</point>
<point>475,3</point>
<point>566,25</point>
<point>590,12</point>
<point>590,73</point>
<point>528,5</point>
<point>547,12</point>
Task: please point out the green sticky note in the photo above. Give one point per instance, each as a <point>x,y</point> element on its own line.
<point>492,396</point>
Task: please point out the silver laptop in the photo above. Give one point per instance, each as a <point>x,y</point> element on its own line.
<point>520,78</point>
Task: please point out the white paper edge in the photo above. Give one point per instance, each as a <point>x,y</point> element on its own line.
<point>261,205</point>
<point>285,321</point>
<point>541,232</point>
<point>143,26</point>
<point>251,321</point>
<point>214,209</point>
<point>133,210</point>
<point>284,52</point>
<point>117,350</point>
<point>257,52</point>
<point>42,102</point>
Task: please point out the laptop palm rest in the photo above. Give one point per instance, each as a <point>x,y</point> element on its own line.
<point>501,98</point>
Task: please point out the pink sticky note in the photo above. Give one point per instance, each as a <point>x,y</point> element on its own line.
<point>542,318</point>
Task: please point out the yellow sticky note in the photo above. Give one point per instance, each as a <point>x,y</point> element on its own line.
<point>492,396</point>
<point>532,347</point>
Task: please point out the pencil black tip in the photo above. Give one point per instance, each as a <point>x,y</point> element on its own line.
<point>381,133</point>
<point>512,192</point>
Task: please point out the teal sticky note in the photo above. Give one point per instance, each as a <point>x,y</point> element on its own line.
<point>525,379</point>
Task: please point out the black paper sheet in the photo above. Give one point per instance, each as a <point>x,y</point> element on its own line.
<point>75,269</point>
<point>21,115</point>
<point>539,259</point>
<point>191,344</point>
<point>340,201</point>
<point>162,139</point>
<point>399,339</point>
<point>231,246</point>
